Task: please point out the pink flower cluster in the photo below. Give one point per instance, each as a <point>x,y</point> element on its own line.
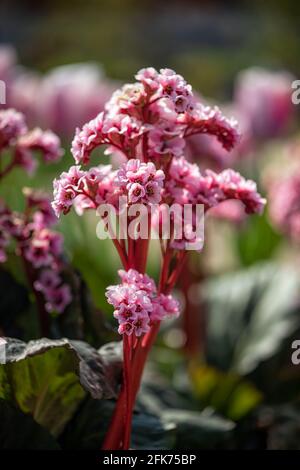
<point>12,126</point>
<point>188,186</point>
<point>15,137</point>
<point>40,246</point>
<point>138,304</point>
<point>264,98</point>
<point>142,182</point>
<point>151,119</point>
<point>147,124</point>
<point>284,208</point>
<point>57,295</point>
<point>84,189</point>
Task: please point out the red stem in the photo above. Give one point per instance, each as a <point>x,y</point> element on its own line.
<point>7,169</point>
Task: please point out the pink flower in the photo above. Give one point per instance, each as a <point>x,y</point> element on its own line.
<point>142,281</point>
<point>37,252</point>
<point>136,192</point>
<point>207,120</point>
<point>231,210</point>
<point>162,141</point>
<point>137,304</point>
<point>87,139</point>
<point>166,83</point>
<point>58,298</point>
<point>43,247</point>
<point>165,305</point>
<point>284,206</point>
<point>149,78</point>
<point>25,159</point>
<point>163,112</point>
<point>122,132</point>
<point>48,279</point>
<point>125,313</point>
<point>184,174</point>
<point>126,328</point>
<point>265,98</point>
<point>12,126</point>
<point>216,188</point>
<point>40,202</point>
<point>83,189</point>
<point>118,295</point>
<point>4,242</point>
<point>141,324</point>
<point>44,141</point>
<point>3,256</point>
<point>128,100</point>
<point>72,95</point>
<point>176,88</point>
<point>142,182</point>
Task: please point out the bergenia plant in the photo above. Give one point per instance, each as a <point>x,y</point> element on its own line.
<point>146,124</point>
<point>30,232</point>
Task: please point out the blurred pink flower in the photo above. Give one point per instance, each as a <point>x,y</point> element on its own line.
<point>265,97</point>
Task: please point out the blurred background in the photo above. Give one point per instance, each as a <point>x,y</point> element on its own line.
<point>222,375</point>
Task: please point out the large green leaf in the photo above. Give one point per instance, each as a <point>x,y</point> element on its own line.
<point>87,429</point>
<point>229,393</point>
<point>257,241</point>
<point>184,424</point>
<point>49,379</point>
<point>194,430</point>
<point>250,314</point>
<point>19,431</point>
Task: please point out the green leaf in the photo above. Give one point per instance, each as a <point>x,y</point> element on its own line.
<point>194,430</point>
<point>87,429</point>
<point>20,431</point>
<point>48,379</point>
<point>250,314</point>
<point>228,393</point>
<point>257,241</point>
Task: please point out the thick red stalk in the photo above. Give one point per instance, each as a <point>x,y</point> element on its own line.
<point>118,436</point>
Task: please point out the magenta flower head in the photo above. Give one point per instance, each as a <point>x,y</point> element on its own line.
<point>265,98</point>
<point>23,144</point>
<point>12,126</point>
<point>44,141</point>
<point>137,303</point>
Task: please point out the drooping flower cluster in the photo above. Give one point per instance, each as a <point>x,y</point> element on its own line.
<point>39,245</point>
<point>151,119</point>
<point>35,241</point>
<point>137,303</point>
<point>84,189</point>
<point>21,143</point>
<point>188,186</point>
